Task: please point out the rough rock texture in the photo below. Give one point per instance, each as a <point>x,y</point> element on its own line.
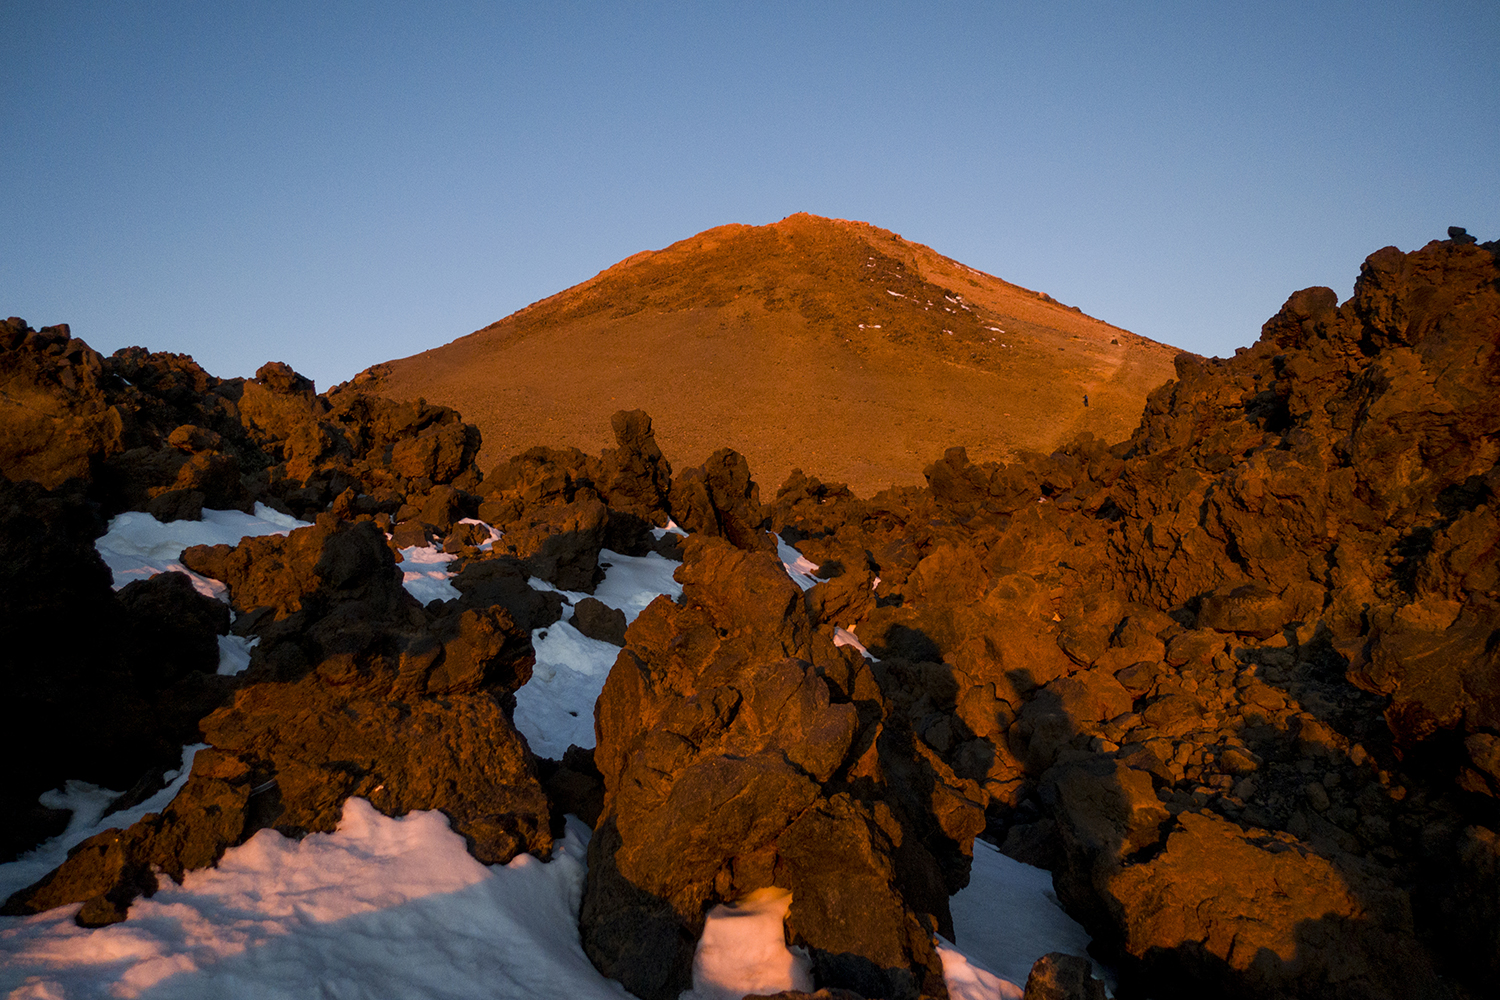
<point>1235,681</point>
<point>635,477</point>
<point>155,432</point>
<point>1272,610</point>
<point>1264,915</point>
<point>1059,976</point>
<point>109,870</point>
<point>55,422</point>
<point>116,681</point>
<point>597,620</point>
<point>353,690</point>
<point>718,498</point>
<point>740,749</point>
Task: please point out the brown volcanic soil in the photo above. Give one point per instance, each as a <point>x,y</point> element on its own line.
<point>817,343</point>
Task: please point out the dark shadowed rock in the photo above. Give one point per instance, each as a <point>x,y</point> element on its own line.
<point>1060,976</point>
<point>173,629</point>
<point>1256,915</point>
<point>330,562</point>
<point>598,620</point>
<point>560,544</point>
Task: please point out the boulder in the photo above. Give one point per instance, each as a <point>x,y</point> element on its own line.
<point>635,478</point>
<point>1060,976</point>
<point>1248,914</point>
<point>719,499</point>
<point>598,620</point>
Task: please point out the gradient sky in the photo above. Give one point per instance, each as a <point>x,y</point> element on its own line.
<point>335,184</point>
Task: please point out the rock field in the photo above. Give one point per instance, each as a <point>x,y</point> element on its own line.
<point>1234,681</point>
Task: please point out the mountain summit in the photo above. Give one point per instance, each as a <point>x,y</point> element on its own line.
<point>812,342</point>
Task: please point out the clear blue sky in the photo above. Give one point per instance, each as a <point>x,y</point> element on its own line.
<point>336,184</point>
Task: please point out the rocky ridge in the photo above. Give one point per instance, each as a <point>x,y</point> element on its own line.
<point>1234,681</point>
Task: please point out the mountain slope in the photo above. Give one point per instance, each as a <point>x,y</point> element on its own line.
<point>811,342</point>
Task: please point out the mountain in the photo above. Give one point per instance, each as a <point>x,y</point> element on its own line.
<point>1233,682</point>
<point>814,343</point>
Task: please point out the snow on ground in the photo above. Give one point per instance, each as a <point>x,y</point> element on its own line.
<point>844,637</point>
<point>425,574</point>
<point>234,653</point>
<point>138,546</point>
<point>800,568</point>
<point>396,908</point>
<point>1007,918</point>
<point>87,803</point>
<point>381,908</point>
<point>556,707</point>
<point>743,950</point>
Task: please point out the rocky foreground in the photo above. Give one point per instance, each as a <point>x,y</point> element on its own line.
<point>1234,681</point>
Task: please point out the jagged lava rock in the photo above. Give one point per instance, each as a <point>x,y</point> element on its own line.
<point>722,729</point>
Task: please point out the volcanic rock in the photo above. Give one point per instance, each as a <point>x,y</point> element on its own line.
<point>126,677</point>
<point>598,620</point>
<point>831,345</point>
<point>1257,916</point>
<point>721,730</point>
<point>1233,680</point>
<point>719,499</point>
<point>1059,976</point>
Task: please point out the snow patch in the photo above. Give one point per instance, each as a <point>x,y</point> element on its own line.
<point>137,546</point>
<point>390,908</point>
<point>1007,918</point>
<point>968,981</point>
<point>743,950</point>
<point>844,637</point>
<point>88,804</point>
<point>234,653</point>
<point>425,573</point>
<point>801,569</point>
<point>556,707</point>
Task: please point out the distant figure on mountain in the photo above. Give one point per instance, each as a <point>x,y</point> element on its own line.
<point>1085,399</point>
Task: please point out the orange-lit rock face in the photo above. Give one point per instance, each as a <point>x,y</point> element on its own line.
<point>833,346</point>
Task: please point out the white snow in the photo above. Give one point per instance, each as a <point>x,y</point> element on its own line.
<point>234,653</point>
<point>87,803</point>
<point>1007,918</point>
<point>137,546</point>
<point>967,980</point>
<point>388,908</point>
<point>801,569</point>
<point>397,908</point>
<point>556,707</point>
<point>425,573</point>
<point>632,582</point>
<point>844,637</point>
<point>743,950</point>
<point>424,568</point>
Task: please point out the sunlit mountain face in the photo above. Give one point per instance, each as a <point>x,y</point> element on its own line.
<point>817,343</point>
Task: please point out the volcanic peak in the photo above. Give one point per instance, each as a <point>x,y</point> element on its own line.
<point>808,342</point>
